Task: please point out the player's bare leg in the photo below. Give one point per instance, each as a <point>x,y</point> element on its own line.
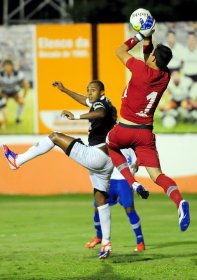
<point>20,108</point>
<point>61,140</point>
<point>170,188</point>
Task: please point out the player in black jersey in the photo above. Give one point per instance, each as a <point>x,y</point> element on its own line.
<point>94,157</point>
<point>11,82</point>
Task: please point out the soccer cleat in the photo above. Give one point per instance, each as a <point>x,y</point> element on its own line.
<point>105,251</point>
<point>95,241</point>
<point>184,217</point>
<point>140,247</point>
<point>10,156</point>
<point>141,191</point>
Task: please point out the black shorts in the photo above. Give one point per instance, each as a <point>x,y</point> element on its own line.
<point>10,94</point>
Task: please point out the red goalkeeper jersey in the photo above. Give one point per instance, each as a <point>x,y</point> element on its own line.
<point>143,92</point>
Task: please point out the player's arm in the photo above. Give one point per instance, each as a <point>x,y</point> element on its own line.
<point>76,96</point>
<point>25,85</point>
<point>122,52</point>
<point>146,31</point>
<point>95,115</point>
<point>147,47</point>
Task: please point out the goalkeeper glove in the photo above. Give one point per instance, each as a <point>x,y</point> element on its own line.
<point>146,29</point>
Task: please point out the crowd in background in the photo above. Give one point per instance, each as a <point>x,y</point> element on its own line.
<point>16,68</point>
<point>181,94</point>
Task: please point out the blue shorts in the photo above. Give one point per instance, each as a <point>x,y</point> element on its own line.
<point>120,191</point>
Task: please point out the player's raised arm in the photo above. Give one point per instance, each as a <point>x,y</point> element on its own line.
<point>76,96</point>
<point>122,51</point>
<point>147,47</point>
<point>145,33</point>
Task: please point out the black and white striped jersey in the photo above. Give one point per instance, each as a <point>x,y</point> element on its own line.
<point>100,127</point>
<point>10,84</point>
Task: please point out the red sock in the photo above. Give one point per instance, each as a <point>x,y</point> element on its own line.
<point>170,188</point>
<point>121,164</point>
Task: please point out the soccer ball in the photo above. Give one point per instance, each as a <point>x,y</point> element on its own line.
<point>169,121</point>
<point>136,16</point>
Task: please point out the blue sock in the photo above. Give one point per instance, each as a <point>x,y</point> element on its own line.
<point>97,225</point>
<point>136,225</point>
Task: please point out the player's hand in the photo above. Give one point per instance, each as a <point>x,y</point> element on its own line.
<point>58,85</point>
<point>147,28</point>
<point>68,114</point>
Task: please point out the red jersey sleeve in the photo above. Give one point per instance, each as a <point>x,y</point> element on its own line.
<point>135,65</point>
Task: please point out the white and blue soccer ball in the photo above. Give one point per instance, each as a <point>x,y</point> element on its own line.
<point>169,121</point>
<point>137,17</point>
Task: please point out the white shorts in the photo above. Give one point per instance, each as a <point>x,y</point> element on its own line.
<point>96,161</point>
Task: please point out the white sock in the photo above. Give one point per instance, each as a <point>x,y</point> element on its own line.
<point>105,221</point>
<point>42,147</point>
<point>19,111</point>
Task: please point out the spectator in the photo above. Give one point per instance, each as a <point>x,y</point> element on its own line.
<point>190,57</point>
<point>177,50</point>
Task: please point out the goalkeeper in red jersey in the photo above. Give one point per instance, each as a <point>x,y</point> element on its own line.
<point>149,79</point>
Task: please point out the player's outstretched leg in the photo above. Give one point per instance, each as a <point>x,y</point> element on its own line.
<point>170,188</point>
<point>10,156</point>
<point>98,238</point>
<point>42,147</point>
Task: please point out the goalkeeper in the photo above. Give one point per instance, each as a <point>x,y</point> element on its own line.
<point>148,82</point>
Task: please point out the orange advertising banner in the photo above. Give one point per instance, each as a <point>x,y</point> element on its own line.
<point>110,70</point>
<point>64,53</point>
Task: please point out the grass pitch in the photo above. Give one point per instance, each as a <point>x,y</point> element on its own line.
<point>45,237</point>
<point>27,117</point>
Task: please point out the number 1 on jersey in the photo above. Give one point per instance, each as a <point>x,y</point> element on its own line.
<point>152,96</point>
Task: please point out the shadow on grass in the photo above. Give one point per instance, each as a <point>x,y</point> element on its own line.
<point>105,273</point>
<point>122,258</point>
<point>172,244</point>
<point>107,269</point>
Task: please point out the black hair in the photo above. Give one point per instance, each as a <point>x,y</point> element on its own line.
<point>191,33</point>
<point>8,61</point>
<point>99,83</point>
<point>170,31</point>
<point>163,55</point>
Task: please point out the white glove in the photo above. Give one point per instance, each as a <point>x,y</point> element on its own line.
<point>147,28</point>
